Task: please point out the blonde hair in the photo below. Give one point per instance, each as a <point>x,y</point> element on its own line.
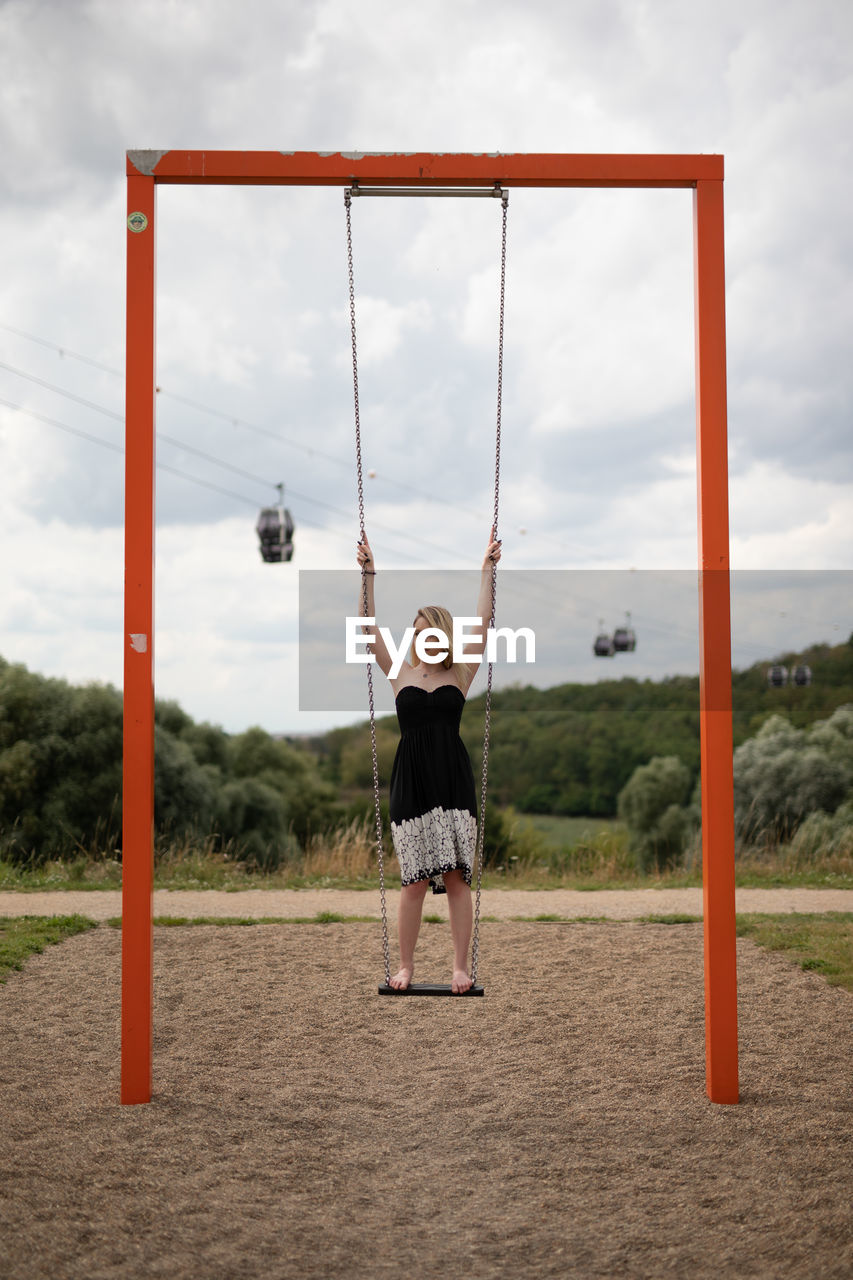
<point>435,615</point>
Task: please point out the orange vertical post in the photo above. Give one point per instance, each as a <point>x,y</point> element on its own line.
<point>715,676</point>
<point>137,952</point>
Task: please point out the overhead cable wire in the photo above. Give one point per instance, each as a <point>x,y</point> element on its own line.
<point>231,418</point>
<point>236,421</point>
<point>63,351</point>
<point>593,606</point>
<point>219,462</point>
<point>184,475</point>
<point>643,623</point>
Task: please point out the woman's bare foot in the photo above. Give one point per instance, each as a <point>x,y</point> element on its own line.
<point>461,982</point>
<point>402,978</point>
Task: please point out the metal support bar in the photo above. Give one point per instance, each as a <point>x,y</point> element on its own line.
<point>336,168</point>
<point>497,192</point>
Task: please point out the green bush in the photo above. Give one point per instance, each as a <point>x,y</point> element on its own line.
<point>60,765</point>
<point>540,798</point>
<point>653,805</point>
<point>497,838</point>
<point>184,790</point>
<point>824,834</point>
<point>61,777</point>
<point>252,815</point>
<point>783,774</point>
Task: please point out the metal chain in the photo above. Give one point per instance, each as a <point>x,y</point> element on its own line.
<point>369,666</point>
<point>475,952</point>
<point>475,949</point>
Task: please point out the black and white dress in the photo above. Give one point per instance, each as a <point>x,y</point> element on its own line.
<point>433,805</point>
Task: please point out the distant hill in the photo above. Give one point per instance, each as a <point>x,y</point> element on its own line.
<point>565,750</point>
<point>570,749</point>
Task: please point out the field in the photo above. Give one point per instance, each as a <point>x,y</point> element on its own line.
<point>562,832</point>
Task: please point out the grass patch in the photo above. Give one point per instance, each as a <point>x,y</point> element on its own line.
<point>821,942</point>
<point>23,936</point>
<point>674,917</point>
<point>322,917</point>
<point>785,876</point>
<point>548,919</point>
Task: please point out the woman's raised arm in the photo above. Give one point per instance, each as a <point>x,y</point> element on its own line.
<point>474,648</point>
<point>368,568</point>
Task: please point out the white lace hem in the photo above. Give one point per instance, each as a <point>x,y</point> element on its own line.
<point>433,843</point>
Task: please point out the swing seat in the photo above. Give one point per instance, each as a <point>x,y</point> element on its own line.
<point>429,989</point>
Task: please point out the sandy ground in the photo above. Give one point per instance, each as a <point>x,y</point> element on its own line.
<point>499,904</point>
<point>301,1126</point>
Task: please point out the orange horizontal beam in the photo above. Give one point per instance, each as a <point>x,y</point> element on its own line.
<point>338,168</point>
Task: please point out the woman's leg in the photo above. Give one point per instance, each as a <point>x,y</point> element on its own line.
<point>408,926</point>
<point>461,922</point>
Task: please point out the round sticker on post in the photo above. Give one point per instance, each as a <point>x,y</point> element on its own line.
<point>137,221</point>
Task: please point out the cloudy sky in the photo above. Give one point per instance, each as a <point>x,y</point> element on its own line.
<point>253,332</point>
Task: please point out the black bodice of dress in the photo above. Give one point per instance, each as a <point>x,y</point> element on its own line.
<point>419,708</point>
<point>432,768</point>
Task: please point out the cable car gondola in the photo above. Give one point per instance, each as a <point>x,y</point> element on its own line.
<point>603,646</point>
<point>802,675</point>
<point>624,640</point>
<point>777,676</point>
<point>275,531</point>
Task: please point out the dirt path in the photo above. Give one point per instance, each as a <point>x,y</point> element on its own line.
<point>303,1127</point>
<point>499,904</point>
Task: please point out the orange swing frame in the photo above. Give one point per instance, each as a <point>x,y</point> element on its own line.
<point>702,173</point>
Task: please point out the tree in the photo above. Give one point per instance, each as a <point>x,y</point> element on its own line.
<point>184,791</point>
<point>653,804</point>
<point>252,815</point>
<point>61,776</point>
<point>783,774</point>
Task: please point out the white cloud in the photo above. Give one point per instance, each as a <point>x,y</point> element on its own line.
<point>253,322</point>
<point>780,521</point>
<point>381,327</point>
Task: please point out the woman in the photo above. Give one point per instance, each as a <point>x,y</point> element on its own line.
<point>433,800</point>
